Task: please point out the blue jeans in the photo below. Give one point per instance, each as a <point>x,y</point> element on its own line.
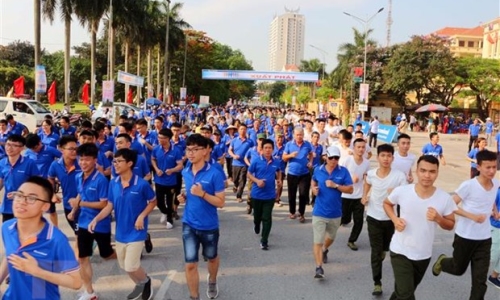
<point>193,238</point>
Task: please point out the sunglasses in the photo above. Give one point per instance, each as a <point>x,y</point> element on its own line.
<point>333,157</point>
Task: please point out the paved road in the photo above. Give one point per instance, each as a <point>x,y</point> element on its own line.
<point>286,270</point>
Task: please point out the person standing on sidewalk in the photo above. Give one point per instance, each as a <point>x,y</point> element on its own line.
<point>474,130</point>
<point>299,155</point>
<point>328,182</point>
<point>132,199</point>
<point>352,207</point>
<point>379,183</point>
<point>200,221</point>
<point>472,242</point>
<point>237,150</point>
<point>265,174</point>
<point>422,208</point>
<point>373,132</point>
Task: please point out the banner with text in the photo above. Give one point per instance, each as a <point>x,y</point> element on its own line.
<point>108,91</point>
<point>183,95</point>
<point>40,79</point>
<point>204,99</point>
<point>257,75</point>
<point>386,133</point>
<point>364,90</point>
<point>127,78</point>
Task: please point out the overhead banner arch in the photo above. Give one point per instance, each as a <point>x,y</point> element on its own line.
<point>259,76</point>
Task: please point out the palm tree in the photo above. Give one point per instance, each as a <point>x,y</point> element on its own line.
<point>66,9</point>
<point>90,13</point>
<point>38,25</point>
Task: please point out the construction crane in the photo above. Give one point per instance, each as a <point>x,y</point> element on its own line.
<point>389,23</point>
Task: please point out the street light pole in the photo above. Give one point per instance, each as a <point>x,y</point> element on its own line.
<point>185,61</point>
<point>165,73</point>
<point>366,24</point>
<point>324,53</point>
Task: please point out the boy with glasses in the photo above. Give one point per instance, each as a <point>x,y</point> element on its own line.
<point>132,199</point>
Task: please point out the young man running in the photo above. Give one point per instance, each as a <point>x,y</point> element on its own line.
<point>379,183</point>
<point>422,208</point>
<point>472,243</point>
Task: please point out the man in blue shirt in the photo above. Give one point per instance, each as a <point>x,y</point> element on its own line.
<point>43,156</point>
<point>489,127</point>
<point>265,174</point>
<point>278,155</point>
<point>238,149</point>
<point>329,181</point>
<point>91,199</point>
<point>133,200</point>
<point>103,163</point>
<point>200,219</point>
<point>38,257</point>
<point>66,128</point>
<point>15,127</point>
<point>299,155</point>
<point>180,144</point>
<point>167,162</point>
<point>433,148</point>
<point>141,167</point>
<point>65,170</point>
<point>474,130</point>
<point>14,171</point>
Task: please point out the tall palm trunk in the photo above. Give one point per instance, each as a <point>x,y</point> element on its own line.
<point>149,74</point>
<point>37,13</point>
<point>158,71</point>
<point>67,58</point>
<point>127,49</point>
<point>112,54</point>
<point>93,42</point>
<point>139,89</point>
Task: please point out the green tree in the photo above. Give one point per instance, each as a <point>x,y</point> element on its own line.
<point>277,90</point>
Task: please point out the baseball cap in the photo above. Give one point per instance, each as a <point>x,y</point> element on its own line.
<point>207,127</point>
<point>261,136</point>
<point>333,151</point>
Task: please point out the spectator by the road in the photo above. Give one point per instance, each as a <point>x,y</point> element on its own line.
<point>329,181</point>
<point>474,130</point>
<point>479,145</point>
<point>374,124</point>
<point>422,208</point>
<point>433,148</point>
<point>489,127</point>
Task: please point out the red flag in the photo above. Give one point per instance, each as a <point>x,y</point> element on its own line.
<point>85,94</point>
<point>51,93</point>
<point>160,97</point>
<point>130,96</point>
<point>19,86</point>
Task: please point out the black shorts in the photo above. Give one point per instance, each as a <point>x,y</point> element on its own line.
<point>72,224</point>
<point>86,243</point>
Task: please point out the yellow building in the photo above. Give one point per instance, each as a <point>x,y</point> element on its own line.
<point>490,39</point>
<point>464,41</point>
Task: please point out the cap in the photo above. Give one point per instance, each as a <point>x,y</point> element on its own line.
<point>261,136</point>
<point>230,127</point>
<point>277,134</point>
<point>207,127</point>
<point>488,119</point>
<point>217,132</point>
<point>333,151</point>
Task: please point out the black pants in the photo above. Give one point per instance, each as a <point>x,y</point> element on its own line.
<point>263,212</point>
<point>178,187</point>
<point>229,167</point>
<point>380,235</point>
<point>352,208</point>
<point>475,252</point>
<point>373,137</point>
<point>165,200</point>
<point>407,276</point>
<point>303,183</point>
<point>239,179</point>
<point>472,140</point>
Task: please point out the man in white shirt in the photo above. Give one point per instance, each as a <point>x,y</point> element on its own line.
<point>368,150</point>
<point>333,129</point>
<point>403,159</point>
<point>422,208</point>
<point>344,144</point>
<point>472,241</point>
<point>323,134</point>
<point>357,166</point>
<point>379,183</point>
<point>373,132</point>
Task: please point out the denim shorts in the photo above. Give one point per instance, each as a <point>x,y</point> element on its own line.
<point>193,238</point>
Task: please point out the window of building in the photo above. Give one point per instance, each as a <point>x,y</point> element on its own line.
<point>470,44</point>
<point>461,43</point>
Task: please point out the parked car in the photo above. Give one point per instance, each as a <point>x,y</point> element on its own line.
<point>29,112</point>
<point>110,112</point>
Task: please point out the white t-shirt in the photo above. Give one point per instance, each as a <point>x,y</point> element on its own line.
<point>368,149</point>
<point>332,130</point>
<point>374,126</point>
<point>403,163</point>
<point>415,241</point>
<point>323,138</point>
<point>476,200</point>
<point>378,191</point>
<point>359,171</point>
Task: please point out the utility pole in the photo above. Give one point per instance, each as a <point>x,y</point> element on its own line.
<point>166,88</point>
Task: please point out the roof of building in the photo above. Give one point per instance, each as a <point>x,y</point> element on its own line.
<point>291,68</point>
<point>451,31</point>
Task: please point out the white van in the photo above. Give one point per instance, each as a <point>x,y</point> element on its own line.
<point>30,113</point>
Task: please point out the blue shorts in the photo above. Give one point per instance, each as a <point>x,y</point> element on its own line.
<point>193,238</point>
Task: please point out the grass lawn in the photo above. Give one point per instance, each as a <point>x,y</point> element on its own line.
<point>75,107</point>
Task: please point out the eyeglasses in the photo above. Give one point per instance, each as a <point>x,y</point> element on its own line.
<point>193,150</point>
<point>10,145</point>
<point>117,161</point>
<point>71,149</point>
<point>30,199</point>
<point>333,157</point>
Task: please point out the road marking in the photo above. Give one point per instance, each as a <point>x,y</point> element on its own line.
<point>160,295</point>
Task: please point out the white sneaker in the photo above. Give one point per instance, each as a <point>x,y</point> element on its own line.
<point>86,296</point>
<point>170,225</point>
<point>163,218</point>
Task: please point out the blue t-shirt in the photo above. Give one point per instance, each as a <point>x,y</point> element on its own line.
<point>107,145</point>
<point>44,158</point>
<point>240,148</point>
<point>429,149</point>
<point>497,139</point>
<point>14,176</point>
<point>493,222</point>
<point>474,129</point>
<point>218,151</point>
<point>49,139</point>
<point>129,202</point>
<point>92,189</point>
<point>472,154</point>
<point>317,152</point>
<point>252,153</point>
<point>265,170</point>
<point>66,178</point>
<point>278,155</point>
<point>329,200</point>
<point>166,160</point>
<point>298,165</point>
<point>18,128</point>
<point>70,131</point>
<point>199,213</point>
<point>489,127</point>
<point>52,252</point>
<point>152,139</point>
<point>141,167</point>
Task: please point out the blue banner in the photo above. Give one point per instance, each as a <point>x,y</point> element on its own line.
<point>386,133</point>
<point>127,78</point>
<point>259,76</point>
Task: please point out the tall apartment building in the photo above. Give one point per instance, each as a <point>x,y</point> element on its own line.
<point>286,40</point>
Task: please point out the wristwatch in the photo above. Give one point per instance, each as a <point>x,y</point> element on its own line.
<point>335,185</point>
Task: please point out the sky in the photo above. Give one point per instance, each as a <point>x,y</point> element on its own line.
<point>244,24</point>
